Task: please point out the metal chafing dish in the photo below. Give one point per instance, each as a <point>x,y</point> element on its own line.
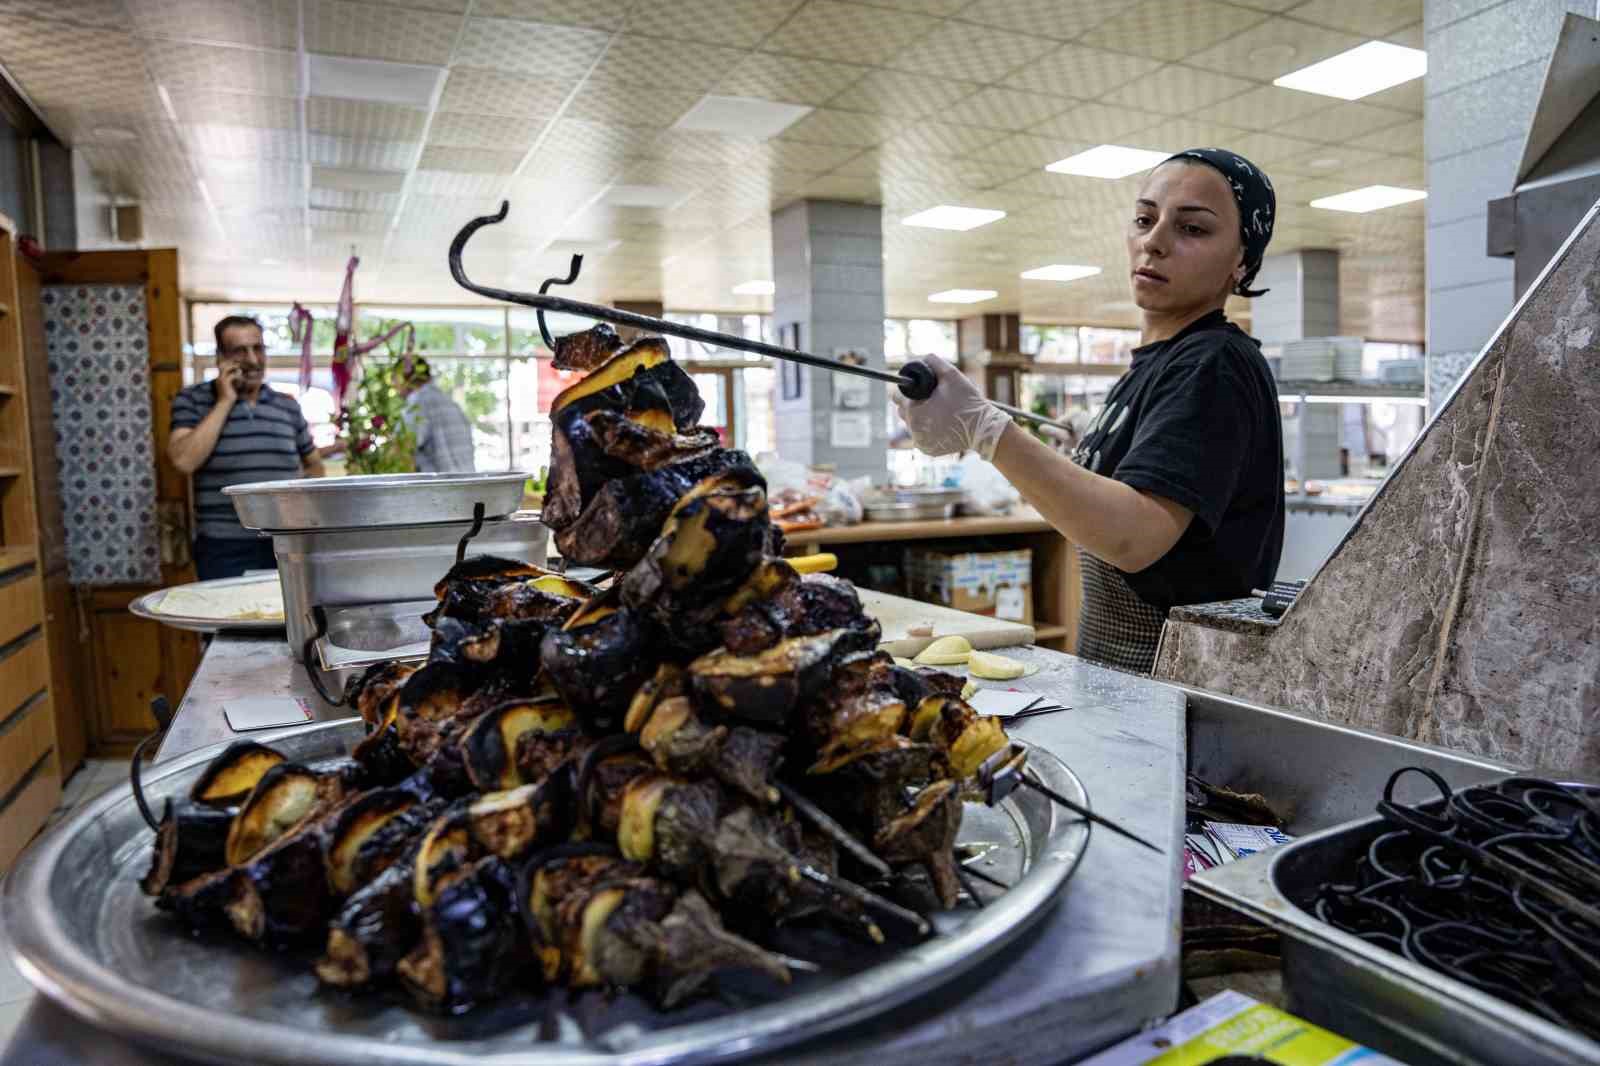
<point>364,501</point>
<point>86,937</point>
<point>910,504</point>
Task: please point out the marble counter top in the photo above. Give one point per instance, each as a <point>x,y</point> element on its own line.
<point>1242,615</point>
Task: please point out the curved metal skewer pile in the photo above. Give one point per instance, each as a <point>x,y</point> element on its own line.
<point>1498,886</point>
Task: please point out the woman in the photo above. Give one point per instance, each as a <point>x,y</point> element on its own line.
<point>1175,493</point>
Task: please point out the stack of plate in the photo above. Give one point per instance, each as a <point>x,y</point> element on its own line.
<point>1347,358</point>
<point>910,504</point>
<point>1307,360</point>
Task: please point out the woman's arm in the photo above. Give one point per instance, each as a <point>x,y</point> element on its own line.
<point>1115,522</point>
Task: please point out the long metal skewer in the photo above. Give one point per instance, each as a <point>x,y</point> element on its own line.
<point>1001,774</point>
<point>1079,809</point>
<point>916,379</point>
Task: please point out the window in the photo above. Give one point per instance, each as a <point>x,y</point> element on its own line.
<point>908,338</point>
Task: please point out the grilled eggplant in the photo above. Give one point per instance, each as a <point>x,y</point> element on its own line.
<point>860,705</point>
<point>599,659</point>
<point>490,742</point>
<point>372,931</point>
<point>767,687</point>
<point>191,840</point>
<point>470,948</point>
<point>926,834</point>
<point>380,752</point>
<point>815,603</point>
<point>200,903</point>
<point>552,877</point>
<point>281,896</point>
<point>640,376</point>
<point>955,728</point>
<point>680,951</point>
<point>668,822</point>
<point>371,833</point>
<point>285,796</point>
<point>230,776</point>
<point>371,692</point>
<point>431,697</point>
<point>510,824</point>
<point>587,350</point>
<point>681,742</point>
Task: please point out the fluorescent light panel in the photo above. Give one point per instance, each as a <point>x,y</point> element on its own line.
<point>754,288</point>
<point>1369,198</point>
<point>741,116</point>
<point>1108,161</point>
<point>1060,272</point>
<point>660,196</point>
<point>962,296</point>
<point>1362,71</point>
<point>952,217</point>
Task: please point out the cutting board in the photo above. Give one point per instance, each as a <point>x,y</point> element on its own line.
<point>896,615</point>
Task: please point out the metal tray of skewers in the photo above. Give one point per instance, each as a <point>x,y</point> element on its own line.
<point>1430,946</point>
<point>85,935</point>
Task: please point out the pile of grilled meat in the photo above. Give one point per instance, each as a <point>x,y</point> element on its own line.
<point>631,786</point>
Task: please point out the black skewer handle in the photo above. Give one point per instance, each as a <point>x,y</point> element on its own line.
<point>917,380</point>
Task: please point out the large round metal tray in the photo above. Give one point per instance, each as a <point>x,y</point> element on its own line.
<point>149,606</point>
<point>367,500</point>
<point>85,936</point>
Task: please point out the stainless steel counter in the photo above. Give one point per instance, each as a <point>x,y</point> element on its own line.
<point>1104,963</point>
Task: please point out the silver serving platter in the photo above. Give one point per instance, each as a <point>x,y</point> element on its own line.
<point>149,606</point>
<point>84,935</point>
<point>365,500</point>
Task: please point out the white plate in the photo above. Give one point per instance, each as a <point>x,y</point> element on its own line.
<point>148,606</point>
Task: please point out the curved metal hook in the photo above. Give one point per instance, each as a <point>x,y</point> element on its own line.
<point>572,275</point>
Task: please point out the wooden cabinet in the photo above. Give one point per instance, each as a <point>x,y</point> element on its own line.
<point>131,661</point>
<point>30,779</point>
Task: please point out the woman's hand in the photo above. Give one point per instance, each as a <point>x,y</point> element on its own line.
<point>956,418</point>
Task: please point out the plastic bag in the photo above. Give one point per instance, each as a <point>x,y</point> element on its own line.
<point>987,490</point>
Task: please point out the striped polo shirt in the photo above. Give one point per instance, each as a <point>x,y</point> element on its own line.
<point>263,441</point>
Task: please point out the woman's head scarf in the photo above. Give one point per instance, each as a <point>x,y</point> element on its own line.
<point>1252,192</point>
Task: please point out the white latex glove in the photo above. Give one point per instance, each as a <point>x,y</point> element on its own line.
<point>956,418</point>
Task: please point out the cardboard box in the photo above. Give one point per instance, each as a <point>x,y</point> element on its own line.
<point>998,584</point>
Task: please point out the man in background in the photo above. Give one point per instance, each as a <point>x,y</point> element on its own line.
<point>233,430</point>
<point>444,436</point>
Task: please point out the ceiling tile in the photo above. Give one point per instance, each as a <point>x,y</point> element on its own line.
<point>374,31</point>
<point>1273,48</point>
<point>1326,160</point>
<point>976,53</point>
<point>598,14</point>
<point>259,23</point>
<point>1005,109</point>
<point>1404,139</point>
<point>185,66</point>
<point>738,23</point>
<point>1175,135</point>
<point>458,184</point>
<point>239,109</point>
<point>1411,36</point>
<point>105,14</point>
<point>940,139</point>
<point>1405,97</point>
<point>1171,29</point>
<point>353,200</point>
<point>549,51</point>
<point>849,33</point>
<point>852,128</point>
<point>701,147</point>
<point>242,142</point>
<point>1268,108</point>
<point>1027,150</point>
<point>576,139</point>
<point>328,150</point>
<point>1275,6</point>
<point>906,95</point>
<point>810,159</point>
<point>470,160</point>
<point>1084,73</point>
<point>359,118</point>
<point>496,92</point>
<point>1177,90</point>
<point>457,129</point>
<point>362,222</point>
<point>787,78</point>
<point>1369,18</point>
<point>630,102</point>
<point>1042,18</point>
<point>673,64</point>
<point>1344,121</point>
<point>69,67</point>
<point>1096,124</point>
<point>1269,151</point>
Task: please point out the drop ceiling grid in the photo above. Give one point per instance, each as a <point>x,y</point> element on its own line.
<point>927,85</point>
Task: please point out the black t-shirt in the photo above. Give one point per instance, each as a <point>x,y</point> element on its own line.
<point>1195,420</point>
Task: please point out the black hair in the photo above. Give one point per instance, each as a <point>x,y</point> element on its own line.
<point>228,323</point>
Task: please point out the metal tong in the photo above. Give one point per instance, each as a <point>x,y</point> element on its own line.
<point>915,380</point>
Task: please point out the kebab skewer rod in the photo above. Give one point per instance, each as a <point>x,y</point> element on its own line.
<point>1003,772</point>
<point>916,379</point>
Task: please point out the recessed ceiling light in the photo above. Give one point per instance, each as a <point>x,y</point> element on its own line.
<point>741,116</point>
<point>949,216</point>
<point>375,80</point>
<point>1108,161</point>
<point>1060,272</point>
<point>661,196</point>
<point>754,288</point>
<point>1362,71</point>
<point>1370,198</point>
<point>962,296</point>
<point>113,134</point>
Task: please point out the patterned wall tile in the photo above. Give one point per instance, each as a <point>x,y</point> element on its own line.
<point>97,345</point>
<point>738,23</point>
<point>849,33</point>
<point>1171,29</point>
<point>496,92</point>
<point>375,31</point>
<point>258,23</point>
<point>557,52</point>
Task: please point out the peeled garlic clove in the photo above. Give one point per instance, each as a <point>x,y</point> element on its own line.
<point>946,651</point>
<point>994,667</point>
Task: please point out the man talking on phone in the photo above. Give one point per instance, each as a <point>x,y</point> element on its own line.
<point>232,430</point>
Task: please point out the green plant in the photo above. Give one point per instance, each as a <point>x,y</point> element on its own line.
<point>376,437</point>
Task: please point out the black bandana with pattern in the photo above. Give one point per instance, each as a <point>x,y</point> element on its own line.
<point>1252,191</point>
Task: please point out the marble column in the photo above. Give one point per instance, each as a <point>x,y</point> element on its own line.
<point>827,266</point>
<point>1303,302</point>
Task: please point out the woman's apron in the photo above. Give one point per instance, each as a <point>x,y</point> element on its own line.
<point>1115,627</point>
